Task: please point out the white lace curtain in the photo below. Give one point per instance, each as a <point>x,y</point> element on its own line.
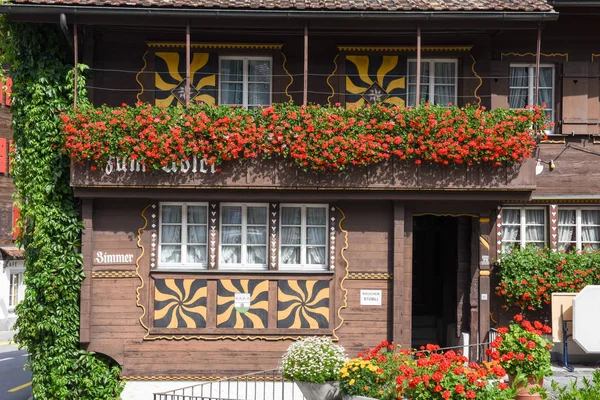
<point>172,234</point>
<point>535,227</point>
<point>291,235</point>
<point>255,235</point>
<point>171,220</point>
<point>518,96</point>
<point>445,83</point>
<point>590,229</point>
<point>511,227</point>
<point>566,229</point>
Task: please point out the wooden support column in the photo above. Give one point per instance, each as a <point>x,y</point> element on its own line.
<point>418,88</point>
<point>485,235</point>
<point>407,281</point>
<point>85,301</point>
<point>537,63</point>
<point>474,310</point>
<point>305,89</point>
<point>401,325</point>
<point>188,60</point>
<point>75,63</point>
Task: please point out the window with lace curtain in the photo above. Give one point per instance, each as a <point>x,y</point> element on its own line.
<point>438,81</point>
<point>303,237</point>
<point>245,81</point>
<point>183,235</point>
<point>15,289</point>
<point>523,226</point>
<point>578,229</point>
<point>522,87</point>
<point>243,236</point>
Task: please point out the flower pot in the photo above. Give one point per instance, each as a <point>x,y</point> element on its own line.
<point>346,397</point>
<point>320,391</point>
<point>525,388</point>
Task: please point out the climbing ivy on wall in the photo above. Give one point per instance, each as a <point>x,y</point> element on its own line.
<point>48,317</point>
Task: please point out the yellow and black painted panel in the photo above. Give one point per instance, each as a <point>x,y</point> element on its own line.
<point>303,304</point>
<point>375,77</point>
<point>169,77</point>
<point>180,303</point>
<point>242,303</point>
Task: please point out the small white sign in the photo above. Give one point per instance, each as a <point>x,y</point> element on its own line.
<point>485,260</point>
<point>103,257</point>
<point>15,264</point>
<point>242,302</point>
<point>370,297</point>
<point>484,296</point>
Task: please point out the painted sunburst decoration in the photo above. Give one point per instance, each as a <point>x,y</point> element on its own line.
<point>180,303</point>
<point>303,304</point>
<point>242,303</point>
<point>372,78</point>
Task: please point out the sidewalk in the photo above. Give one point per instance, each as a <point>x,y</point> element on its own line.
<point>564,377</point>
<point>6,336</point>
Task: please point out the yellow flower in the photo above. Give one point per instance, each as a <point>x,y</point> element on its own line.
<point>351,382</point>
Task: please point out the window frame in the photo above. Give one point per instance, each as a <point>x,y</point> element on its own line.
<point>20,288</point>
<point>523,226</point>
<point>245,82</point>
<point>531,87</point>
<point>182,265</point>
<point>304,266</point>
<point>431,94</point>
<point>243,266</point>
<point>578,226</point>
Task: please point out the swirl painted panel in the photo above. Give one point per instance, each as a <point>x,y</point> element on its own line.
<point>242,303</point>
<point>372,78</point>
<point>180,303</point>
<point>303,304</point>
<point>170,76</point>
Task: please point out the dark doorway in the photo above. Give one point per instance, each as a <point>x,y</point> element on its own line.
<point>441,247</point>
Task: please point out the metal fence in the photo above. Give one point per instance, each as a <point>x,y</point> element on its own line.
<point>264,385</point>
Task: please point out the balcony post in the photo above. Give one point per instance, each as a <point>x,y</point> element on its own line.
<point>537,63</point>
<point>418,88</point>
<point>75,62</point>
<point>305,90</point>
<point>187,64</point>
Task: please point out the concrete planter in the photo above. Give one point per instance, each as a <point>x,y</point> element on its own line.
<point>346,397</point>
<point>320,391</point>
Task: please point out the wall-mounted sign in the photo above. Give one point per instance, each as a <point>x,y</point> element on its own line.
<point>194,165</point>
<point>242,302</point>
<point>370,297</point>
<point>103,257</point>
<point>485,260</point>
<point>15,264</point>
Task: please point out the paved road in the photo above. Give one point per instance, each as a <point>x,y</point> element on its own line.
<point>15,383</point>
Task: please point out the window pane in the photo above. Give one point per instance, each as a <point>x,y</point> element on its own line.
<point>170,254</point>
<point>259,70</point>
<point>534,217</point>
<point>231,254</point>
<point>257,255</point>
<point>196,254</point>
<point>196,234</point>
<point>590,234</point>
<point>290,255</point>
<point>511,216</point>
<point>445,73</point>
<point>290,235</point>
<point>257,235</point>
<point>196,215</point>
<point>232,93</point>
<point>443,95</point>
<point>546,77</point>
<point>315,235</point>
<point>517,98</point>
<point>171,214</point>
<point>291,215</point>
<point>316,255</point>
<point>171,234</point>
<point>259,94</point>
<point>566,217</point>
<point>519,84</point>
<point>257,215</point>
<point>231,215</point>
<point>567,247</point>
<point>231,234</point>
<point>316,216</point>
<point>232,70</point>
<point>590,217</point>
<point>545,97</point>
<point>534,234</point>
<point>412,72</point>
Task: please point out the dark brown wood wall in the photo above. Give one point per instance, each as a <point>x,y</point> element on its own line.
<point>6,186</point>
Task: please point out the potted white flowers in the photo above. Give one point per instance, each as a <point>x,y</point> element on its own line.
<point>314,364</point>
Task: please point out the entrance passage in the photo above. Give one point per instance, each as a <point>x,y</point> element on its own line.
<point>441,280</point>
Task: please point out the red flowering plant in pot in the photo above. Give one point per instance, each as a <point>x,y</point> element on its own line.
<point>449,376</point>
<point>524,353</point>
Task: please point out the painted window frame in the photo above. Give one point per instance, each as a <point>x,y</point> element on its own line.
<point>304,266</point>
<point>531,86</point>
<point>245,82</point>
<point>184,225</point>
<point>243,266</point>
<point>432,62</point>
<point>523,242</point>
<point>17,272</point>
<point>579,244</point>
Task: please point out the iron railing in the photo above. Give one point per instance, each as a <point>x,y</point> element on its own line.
<point>264,385</point>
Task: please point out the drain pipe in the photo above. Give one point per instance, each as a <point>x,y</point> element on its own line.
<point>65,28</point>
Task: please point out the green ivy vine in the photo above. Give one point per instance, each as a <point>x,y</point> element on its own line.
<point>48,317</point>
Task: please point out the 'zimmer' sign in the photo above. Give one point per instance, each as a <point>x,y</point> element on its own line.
<point>370,297</point>
<point>104,258</point>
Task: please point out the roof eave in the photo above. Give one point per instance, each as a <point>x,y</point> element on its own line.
<point>187,13</point>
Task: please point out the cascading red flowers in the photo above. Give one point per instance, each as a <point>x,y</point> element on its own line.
<point>313,138</point>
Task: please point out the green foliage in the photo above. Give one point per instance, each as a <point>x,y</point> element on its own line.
<point>588,390</point>
<point>529,276</point>
<point>48,317</point>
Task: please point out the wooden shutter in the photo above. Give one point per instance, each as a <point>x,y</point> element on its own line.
<point>15,219</point>
<point>579,98</point>
<point>3,156</point>
<point>499,86</point>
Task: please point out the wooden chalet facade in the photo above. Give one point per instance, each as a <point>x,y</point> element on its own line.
<point>196,273</point>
